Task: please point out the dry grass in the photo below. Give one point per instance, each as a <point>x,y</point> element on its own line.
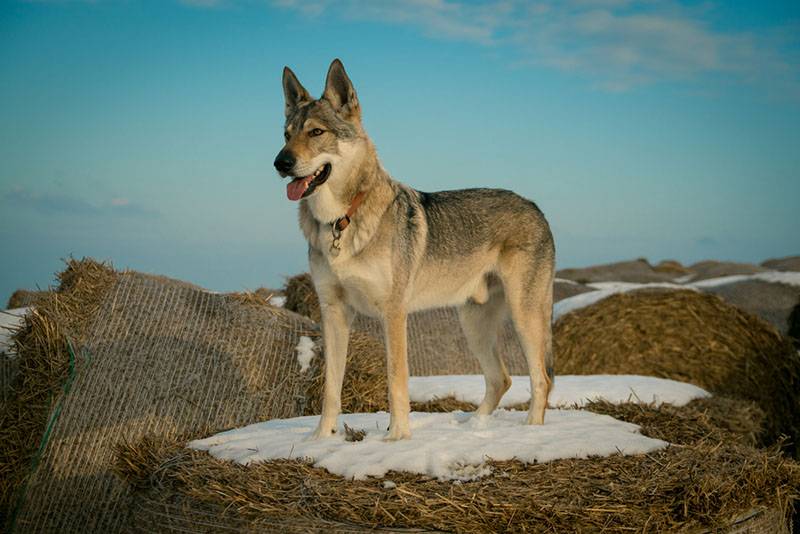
<point>44,363</point>
<point>715,418</point>
<point>700,483</point>
<point>446,404</point>
<point>691,337</point>
<point>258,297</point>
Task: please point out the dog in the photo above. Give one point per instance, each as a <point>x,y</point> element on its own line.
<point>381,248</point>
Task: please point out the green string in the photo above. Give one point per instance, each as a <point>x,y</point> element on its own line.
<point>46,436</point>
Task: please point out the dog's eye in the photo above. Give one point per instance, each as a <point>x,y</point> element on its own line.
<point>315,132</point>
<point>286,135</point>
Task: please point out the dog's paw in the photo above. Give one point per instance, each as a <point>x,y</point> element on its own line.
<point>535,419</point>
<point>397,433</point>
<point>321,433</point>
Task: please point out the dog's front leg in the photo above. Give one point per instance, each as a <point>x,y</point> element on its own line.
<point>394,327</point>
<point>335,334</point>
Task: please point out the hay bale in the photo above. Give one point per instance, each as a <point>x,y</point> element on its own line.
<point>639,271</point>
<point>691,337</point>
<point>705,270</point>
<point>789,263</point>
<point>150,355</point>
<point>9,368</point>
<point>708,482</point>
<point>44,366</point>
<point>301,297</point>
<point>22,298</point>
<point>771,301</point>
<point>671,267</point>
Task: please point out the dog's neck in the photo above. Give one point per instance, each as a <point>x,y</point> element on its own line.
<point>332,200</point>
<point>335,197</point>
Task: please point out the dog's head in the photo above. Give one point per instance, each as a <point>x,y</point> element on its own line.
<point>321,135</point>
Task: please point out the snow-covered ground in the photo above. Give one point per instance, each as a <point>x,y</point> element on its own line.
<point>568,390</point>
<point>451,446</point>
<point>10,320</point>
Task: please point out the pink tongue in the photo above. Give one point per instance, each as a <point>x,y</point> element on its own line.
<point>298,186</point>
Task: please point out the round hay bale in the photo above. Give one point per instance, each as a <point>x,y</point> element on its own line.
<point>22,298</point>
<point>705,270</point>
<point>671,267</point>
<point>692,337</point>
<point>639,271</point>
<point>789,263</point>
<point>709,482</point>
<point>150,355</point>
<point>43,366</point>
<point>301,297</point>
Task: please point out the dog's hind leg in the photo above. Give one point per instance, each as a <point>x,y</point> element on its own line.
<point>529,294</point>
<point>336,317</point>
<point>481,324</point>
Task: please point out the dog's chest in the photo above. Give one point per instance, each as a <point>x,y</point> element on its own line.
<point>365,281</point>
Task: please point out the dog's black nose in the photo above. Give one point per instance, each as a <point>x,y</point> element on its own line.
<point>285,161</point>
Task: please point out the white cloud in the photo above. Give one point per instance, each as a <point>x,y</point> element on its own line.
<point>202,3</point>
<point>617,43</point>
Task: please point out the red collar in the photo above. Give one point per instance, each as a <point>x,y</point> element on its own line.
<point>344,221</point>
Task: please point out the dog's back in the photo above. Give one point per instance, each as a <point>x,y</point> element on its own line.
<point>462,220</point>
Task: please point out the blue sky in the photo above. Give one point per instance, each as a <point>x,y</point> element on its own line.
<point>144,132</point>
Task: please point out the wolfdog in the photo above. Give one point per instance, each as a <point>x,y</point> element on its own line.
<point>381,248</point>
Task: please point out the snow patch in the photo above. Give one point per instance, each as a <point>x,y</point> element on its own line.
<point>11,321</point>
<point>448,446</point>
<point>568,390</point>
<point>790,278</point>
<point>565,281</point>
<point>305,352</point>
<point>278,301</point>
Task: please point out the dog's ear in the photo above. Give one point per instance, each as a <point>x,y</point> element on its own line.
<point>293,90</point>
<point>339,91</point>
